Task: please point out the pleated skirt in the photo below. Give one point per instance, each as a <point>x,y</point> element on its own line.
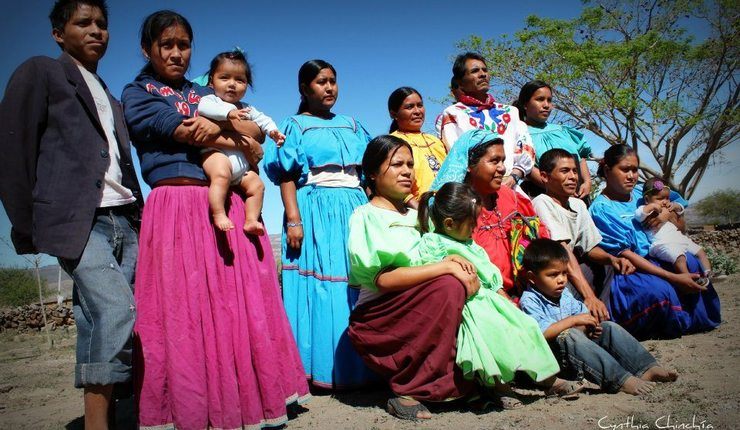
<point>318,300</point>
<point>409,338</point>
<point>214,347</point>
<point>496,340</point>
<point>649,307</point>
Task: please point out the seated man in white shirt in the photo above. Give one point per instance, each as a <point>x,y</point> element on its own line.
<point>569,223</point>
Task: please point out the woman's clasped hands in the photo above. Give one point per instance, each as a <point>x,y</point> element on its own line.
<point>465,272</point>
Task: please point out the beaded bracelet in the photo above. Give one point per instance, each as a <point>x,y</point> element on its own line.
<point>294,224</point>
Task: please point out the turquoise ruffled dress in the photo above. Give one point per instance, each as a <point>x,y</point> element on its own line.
<point>559,136</point>
<point>317,298</point>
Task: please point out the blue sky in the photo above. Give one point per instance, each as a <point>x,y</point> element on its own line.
<point>376,46</point>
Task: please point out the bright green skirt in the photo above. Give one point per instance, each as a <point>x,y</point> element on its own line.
<point>496,339</point>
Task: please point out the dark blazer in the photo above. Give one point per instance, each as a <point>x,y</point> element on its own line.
<point>54,155</point>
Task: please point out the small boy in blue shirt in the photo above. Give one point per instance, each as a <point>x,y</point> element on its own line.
<point>606,353</point>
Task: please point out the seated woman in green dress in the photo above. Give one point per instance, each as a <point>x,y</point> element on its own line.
<point>405,323</point>
<point>495,339</point>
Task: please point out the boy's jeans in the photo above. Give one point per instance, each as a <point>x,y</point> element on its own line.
<point>608,360</point>
<point>103,298</point>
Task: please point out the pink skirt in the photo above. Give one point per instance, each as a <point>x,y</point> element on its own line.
<point>214,348</point>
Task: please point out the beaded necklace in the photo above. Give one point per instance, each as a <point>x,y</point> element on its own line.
<point>428,147</point>
<point>495,226</point>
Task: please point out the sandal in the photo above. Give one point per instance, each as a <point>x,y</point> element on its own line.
<point>567,390</point>
<point>398,410</point>
<point>506,401</point>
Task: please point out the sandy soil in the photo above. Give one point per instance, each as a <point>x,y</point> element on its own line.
<point>36,390</point>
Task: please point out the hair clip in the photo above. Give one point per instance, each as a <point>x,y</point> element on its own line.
<point>239,50</point>
<point>656,187</point>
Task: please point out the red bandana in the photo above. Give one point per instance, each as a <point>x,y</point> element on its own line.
<point>477,104</point>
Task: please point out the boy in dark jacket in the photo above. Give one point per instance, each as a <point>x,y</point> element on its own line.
<point>69,188</point>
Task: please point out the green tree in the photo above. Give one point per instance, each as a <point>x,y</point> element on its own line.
<point>721,206</point>
<point>17,287</point>
<point>630,72</point>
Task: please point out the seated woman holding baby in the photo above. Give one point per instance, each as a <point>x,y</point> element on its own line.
<point>662,299</point>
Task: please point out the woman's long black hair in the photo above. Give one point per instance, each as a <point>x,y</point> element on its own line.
<point>306,74</point>
<point>154,25</point>
<point>378,150</point>
<point>526,93</point>
<point>612,156</point>
<point>395,100</point>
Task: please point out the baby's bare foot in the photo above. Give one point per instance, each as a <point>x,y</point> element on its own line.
<point>637,386</point>
<point>254,227</point>
<point>222,222</point>
<point>659,374</point>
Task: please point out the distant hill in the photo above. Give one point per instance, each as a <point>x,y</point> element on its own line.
<point>50,276</point>
<point>693,217</point>
<point>275,244</point>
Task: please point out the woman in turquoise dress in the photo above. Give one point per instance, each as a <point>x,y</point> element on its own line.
<point>535,106</point>
<point>317,169</point>
<point>653,302</point>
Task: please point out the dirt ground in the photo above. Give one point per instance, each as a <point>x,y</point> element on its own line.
<point>36,390</point>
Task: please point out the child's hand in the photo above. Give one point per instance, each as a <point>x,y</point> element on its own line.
<point>586,320</point>
<point>278,137</point>
<point>656,220</point>
<point>651,207</point>
<point>595,332</point>
<point>239,114</point>
<point>676,207</point>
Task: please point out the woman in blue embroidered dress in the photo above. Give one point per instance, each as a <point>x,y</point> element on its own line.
<point>653,302</point>
<point>317,169</point>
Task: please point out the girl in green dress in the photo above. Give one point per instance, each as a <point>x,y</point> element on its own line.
<point>495,338</point>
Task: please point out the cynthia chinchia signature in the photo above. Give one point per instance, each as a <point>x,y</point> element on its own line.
<point>662,422</point>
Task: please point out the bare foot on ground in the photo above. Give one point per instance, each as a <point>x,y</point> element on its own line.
<point>637,386</point>
<point>659,374</point>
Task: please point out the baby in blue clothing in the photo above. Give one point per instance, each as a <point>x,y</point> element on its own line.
<point>606,353</point>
